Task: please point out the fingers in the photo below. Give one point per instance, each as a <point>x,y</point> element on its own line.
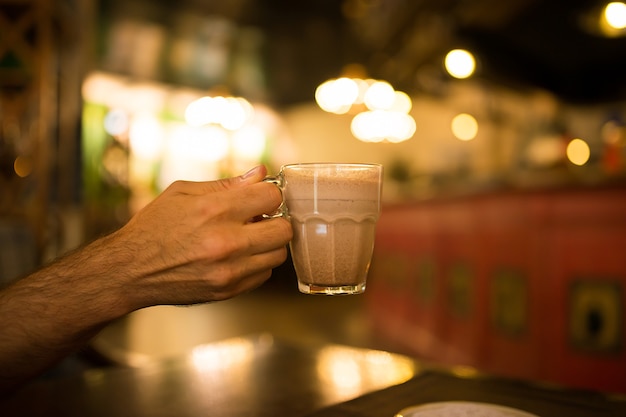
<point>254,175</point>
<point>255,200</point>
<point>255,271</point>
<point>260,248</point>
<point>268,235</point>
<point>243,197</point>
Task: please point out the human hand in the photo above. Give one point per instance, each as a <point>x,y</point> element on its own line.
<point>196,242</point>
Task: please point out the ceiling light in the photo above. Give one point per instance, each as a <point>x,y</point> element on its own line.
<point>460,63</point>
<point>615,15</point>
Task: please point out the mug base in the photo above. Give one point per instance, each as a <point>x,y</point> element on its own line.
<point>331,289</point>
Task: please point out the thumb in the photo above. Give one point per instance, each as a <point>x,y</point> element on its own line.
<point>256,174</point>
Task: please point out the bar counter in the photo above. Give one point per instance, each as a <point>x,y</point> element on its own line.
<point>260,375</point>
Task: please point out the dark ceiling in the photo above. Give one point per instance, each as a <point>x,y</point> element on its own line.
<point>548,44</point>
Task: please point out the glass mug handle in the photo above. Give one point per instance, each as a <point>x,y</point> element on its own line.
<point>281,211</point>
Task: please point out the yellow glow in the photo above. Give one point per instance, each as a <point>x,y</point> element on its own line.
<point>364,85</point>
<point>380,96</point>
<point>337,96</point>
<point>464,127</point>
<point>229,112</point>
<point>23,166</point>
<point>578,152</point>
<point>545,150</point>
<point>207,144</point>
<point>383,125</point>
<point>402,102</point>
<point>347,371</point>
<point>347,89</point>
<point>222,355</point>
<point>613,133</point>
<point>249,143</point>
<point>460,63</point>
<point>615,15</point>
<point>464,371</point>
<point>102,88</point>
<point>146,137</point>
<point>198,111</point>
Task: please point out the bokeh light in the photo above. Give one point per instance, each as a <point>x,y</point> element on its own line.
<point>460,63</point>
<point>249,142</point>
<point>578,152</point>
<point>383,126</point>
<point>464,127</point>
<point>337,95</point>
<point>23,166</point>
<point>615,15</point>
<point>146,137</point>
<point>380,96</point>
<point>116,122</point>
<point>384,116</point>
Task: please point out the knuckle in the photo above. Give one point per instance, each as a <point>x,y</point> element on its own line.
<point>222,246</point>
<point>272,194</point>
<point>285,229</point>
<point>176,185</point>
<point>281,256</point>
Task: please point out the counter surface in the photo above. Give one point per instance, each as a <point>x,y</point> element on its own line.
<point>263,376</point>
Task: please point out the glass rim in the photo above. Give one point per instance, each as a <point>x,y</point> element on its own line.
<point>332,164</point>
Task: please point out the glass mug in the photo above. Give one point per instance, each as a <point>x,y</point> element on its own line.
<point>333,209</point>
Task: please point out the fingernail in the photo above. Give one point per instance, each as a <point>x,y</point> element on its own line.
<point>250,173</point>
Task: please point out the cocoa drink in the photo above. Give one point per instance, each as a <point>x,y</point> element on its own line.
<point>333,209</point>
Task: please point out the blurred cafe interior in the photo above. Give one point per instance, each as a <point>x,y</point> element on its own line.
<point>501,126</point>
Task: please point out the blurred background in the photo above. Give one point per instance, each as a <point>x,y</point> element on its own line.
<point>501,126</point>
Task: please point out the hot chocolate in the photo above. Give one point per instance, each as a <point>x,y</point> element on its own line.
<point>333,213</point>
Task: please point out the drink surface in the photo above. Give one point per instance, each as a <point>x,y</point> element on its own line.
<point>353,185</point>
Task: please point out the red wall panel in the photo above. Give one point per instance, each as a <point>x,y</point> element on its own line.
<point>524,284</point>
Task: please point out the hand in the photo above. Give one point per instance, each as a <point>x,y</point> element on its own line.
<point>197,242</point>
<point>194,243</point>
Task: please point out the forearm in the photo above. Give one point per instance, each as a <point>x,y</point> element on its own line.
<point>56,310</point>
<point>194,243</point>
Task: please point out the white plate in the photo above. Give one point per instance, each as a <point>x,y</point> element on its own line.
<point>462,409</point>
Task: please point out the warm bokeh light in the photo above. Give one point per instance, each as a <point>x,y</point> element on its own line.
<point>379,96</point>
<point>337,95</point>
<point>383,126</point>
<point>615,15</point>
<point>613,133</point>
<point>231,113</point>
<point>385,117</point>
<point>578,152</point>
<point>545,150</point>
<point>249,142</point>
<point>402,102</point>
<point>460,63</point>
<point>23,166</point>
<point>464,127</point>
<point>146,137</point>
